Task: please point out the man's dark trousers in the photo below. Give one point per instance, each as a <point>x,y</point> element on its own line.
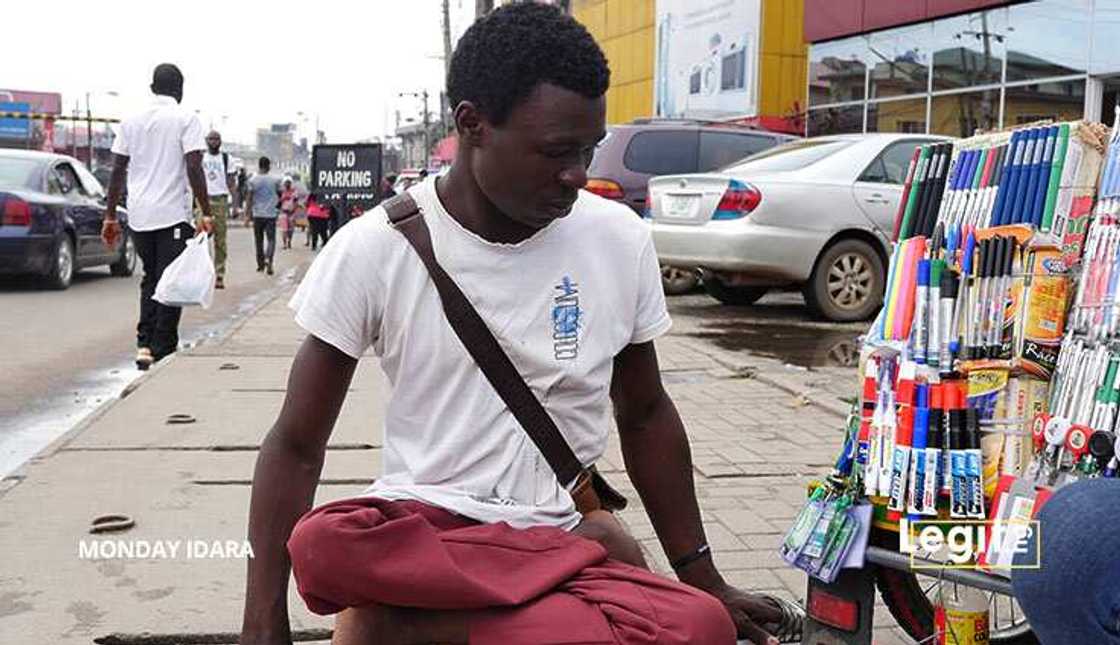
<point>158,329</point>
<point>264,234</point>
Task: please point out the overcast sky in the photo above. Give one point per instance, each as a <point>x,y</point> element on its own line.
<point>248,63</point>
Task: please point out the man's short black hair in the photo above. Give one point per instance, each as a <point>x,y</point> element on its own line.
<point>167,79</point>
<point>264,163</point>
<point>508,52</point>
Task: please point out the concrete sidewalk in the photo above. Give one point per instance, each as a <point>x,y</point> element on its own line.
<point>756,442</point>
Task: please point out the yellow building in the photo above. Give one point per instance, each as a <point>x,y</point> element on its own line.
<point>626,30</point>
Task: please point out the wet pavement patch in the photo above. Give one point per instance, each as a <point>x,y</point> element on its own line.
<point>778,327</point>
<point>796,345</point>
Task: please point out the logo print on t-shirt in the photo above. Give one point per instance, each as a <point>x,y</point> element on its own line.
<point>567,318</point>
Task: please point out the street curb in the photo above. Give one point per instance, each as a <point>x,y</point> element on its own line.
<point>763,374</point>
<point>20,474</point>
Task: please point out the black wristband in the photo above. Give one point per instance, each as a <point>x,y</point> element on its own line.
<point>695,555</point>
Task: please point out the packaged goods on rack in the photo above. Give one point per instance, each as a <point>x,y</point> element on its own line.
<point>992,374</point>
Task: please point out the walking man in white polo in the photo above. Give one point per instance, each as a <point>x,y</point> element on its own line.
<point>158,149</point>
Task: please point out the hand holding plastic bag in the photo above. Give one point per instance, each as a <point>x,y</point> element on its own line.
<point>189,279</point>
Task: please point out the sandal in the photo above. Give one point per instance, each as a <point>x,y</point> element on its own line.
<point>789,628</point>
<point>144,359</point>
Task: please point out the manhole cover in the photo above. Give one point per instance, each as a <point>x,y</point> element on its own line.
<point>111,524</point>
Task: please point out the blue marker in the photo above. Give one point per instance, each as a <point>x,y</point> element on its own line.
<point>1022,171</point>
<point>958,490</point>
<point>1033,165</point>
<point>974,468</point>
<point>1044,176</point>
<point>1005,180</point>
<point>918,444</point>
<point>920,337</point>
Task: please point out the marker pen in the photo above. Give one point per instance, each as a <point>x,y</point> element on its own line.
<point>1000,207</point>
<point>934,440</point>
<point>980,299</point>
<point>974,470</point>
<point>933,338</point>
<point>900,469</point>
<point>948,293</point>
<point>921,313</point>
<point>999,299</point>
<point>957,342</point>
<point>951,400</point>
<point>958,497</point>
<point>918,465</point>
<point>875,432</point>
<point>905,193</point>
<point>889,432</point>
<point>1023,167</point>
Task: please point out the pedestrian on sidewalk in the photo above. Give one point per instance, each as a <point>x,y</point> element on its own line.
<point>288,203</point>
<point>468,531</point>
<point>318,218</point>
<point>387,190</point>
<point>264,207</point>
<point>160,151</point>
<point>220,186</point>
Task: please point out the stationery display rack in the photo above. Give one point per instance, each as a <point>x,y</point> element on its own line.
<point>990,377</point>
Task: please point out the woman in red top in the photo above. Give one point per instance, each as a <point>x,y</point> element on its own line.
<point>318,218</point>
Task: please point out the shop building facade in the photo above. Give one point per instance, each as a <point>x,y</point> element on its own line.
<point>740,60</point>
<point>954,66</point>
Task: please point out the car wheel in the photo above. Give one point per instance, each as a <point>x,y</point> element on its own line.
<point>62,269</point>
<point>677,281</point>
<point>126,264</point>
<point>728,295</point>
<point>847,282</point>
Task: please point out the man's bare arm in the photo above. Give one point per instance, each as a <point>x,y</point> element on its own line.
<point>284,482</point>
<point>110,229</point>
<point>197,179</point>
<point>116,185</point>
<point>659,462</point>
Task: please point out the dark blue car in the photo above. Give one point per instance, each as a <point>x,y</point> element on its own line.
<point>51,210</point>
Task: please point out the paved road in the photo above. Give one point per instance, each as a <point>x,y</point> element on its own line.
<point>64,352</point>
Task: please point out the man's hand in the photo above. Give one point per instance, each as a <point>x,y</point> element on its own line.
<point>749,612</point>
<point>205,224</point>
<point>110,232</point>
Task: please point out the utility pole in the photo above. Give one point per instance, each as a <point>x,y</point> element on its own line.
<point>89,133</point>
<point>427,132</point>
<point>482,7</point>
<point>446,37</point>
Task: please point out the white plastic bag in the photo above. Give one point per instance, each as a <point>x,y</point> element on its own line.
<point>189,279</point>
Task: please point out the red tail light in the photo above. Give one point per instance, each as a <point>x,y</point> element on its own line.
<point>738,200</point>
<point>833,610</point>
<point>16,212</point>
<point>605,188</point>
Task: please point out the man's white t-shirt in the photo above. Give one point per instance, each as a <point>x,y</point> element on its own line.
<point>562,304</point>
<point>214,167</point>
<point>155,142</point>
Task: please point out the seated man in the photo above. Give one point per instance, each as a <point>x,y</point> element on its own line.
<point>1073,596</point>
<point>468,534</point>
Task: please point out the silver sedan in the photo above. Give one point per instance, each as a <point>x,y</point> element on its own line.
<point>816,214</point>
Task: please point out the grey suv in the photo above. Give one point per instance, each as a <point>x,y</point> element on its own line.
<point>635,152</point>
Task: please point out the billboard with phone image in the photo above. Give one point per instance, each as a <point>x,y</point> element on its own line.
<point>707,58</point>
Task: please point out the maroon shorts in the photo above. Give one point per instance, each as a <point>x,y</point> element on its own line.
<point>537,585</point>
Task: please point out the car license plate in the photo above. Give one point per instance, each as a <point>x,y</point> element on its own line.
<point>681,206</point>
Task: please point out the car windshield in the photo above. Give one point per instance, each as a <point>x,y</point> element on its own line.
<point>16,172</point>
<point>791,156</point>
